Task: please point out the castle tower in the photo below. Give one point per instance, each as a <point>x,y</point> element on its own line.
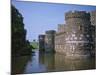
<point>93,31</point>
<point>78,34</point>
<point>61,28</point>
<point>93,18</point>
<point>41,43</point>
<point>49,41</point>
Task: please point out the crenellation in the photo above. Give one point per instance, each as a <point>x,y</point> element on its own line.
<point>77,14</point>
<point>75,38</point>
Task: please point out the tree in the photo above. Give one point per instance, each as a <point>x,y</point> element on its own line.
<point>20,46</point>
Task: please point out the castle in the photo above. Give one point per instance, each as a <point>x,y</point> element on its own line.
<point>75,38</point>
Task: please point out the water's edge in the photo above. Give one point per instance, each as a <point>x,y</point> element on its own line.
<point>50,63</point>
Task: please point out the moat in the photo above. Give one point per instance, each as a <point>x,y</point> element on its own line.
<point>50,62</point>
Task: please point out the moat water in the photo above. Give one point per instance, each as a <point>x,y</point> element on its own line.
<point>50,63</point>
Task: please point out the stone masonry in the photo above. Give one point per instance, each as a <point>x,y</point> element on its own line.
<point>49,41</point>
<point>75,38</point>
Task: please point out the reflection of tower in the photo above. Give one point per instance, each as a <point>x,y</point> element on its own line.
<point>60,62</point>
<point>78,33</point>
<point>49,41</point>
<point>41,58</point>
<point>49,61</point>
<point>41,43</point>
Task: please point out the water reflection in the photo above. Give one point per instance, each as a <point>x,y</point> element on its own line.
<point>62,63</point>
<point>19,64</point>
<point>33,65</point>
<point>47,62</point>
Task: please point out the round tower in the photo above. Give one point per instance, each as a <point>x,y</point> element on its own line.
<point>78,36</point>
<point>49,41</point>
<point>41,43</point>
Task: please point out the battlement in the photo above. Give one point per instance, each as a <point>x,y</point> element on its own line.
<point>41,35</point>
<point>50,32</point>
<point>77,14</point>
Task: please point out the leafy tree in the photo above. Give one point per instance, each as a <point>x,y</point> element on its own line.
<point>20,46</point>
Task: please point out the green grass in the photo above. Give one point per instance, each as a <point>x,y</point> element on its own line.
<point>34,45</point>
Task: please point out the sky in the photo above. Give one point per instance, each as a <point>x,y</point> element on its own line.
<point>40,17</point>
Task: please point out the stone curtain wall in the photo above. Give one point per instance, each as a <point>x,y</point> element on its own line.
<point>75,38</point>
<point>61,28</point>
